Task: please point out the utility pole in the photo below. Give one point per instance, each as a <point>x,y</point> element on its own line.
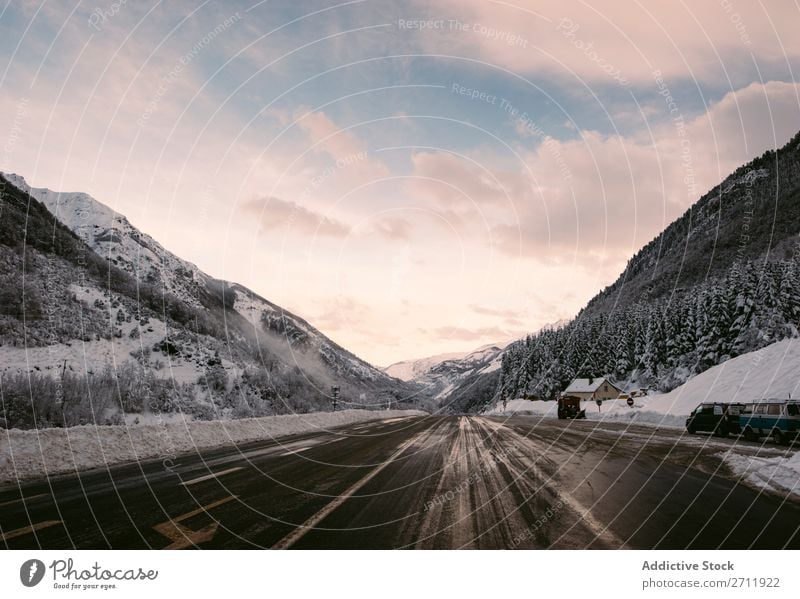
<point>60,391</point>
<point>334,395</point>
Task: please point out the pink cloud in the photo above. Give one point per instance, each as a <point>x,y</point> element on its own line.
<point>275,214</point>
<point>325,135</point>
<point>596,200</point>
<point>612,41</point>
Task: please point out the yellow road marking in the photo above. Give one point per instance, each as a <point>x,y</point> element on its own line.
<point>210,476</point>
<point>31,498</point>
<point>202,509</point>
<point>28,529</point>
<point>183,537</point>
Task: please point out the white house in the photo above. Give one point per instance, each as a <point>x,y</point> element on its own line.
<point>593,389</point>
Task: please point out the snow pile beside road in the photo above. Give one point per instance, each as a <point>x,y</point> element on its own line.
<point>779,474</point>
<point>36,453</point>
<point>611,410</point>
<point>547,409</point>
<point>768,372</point>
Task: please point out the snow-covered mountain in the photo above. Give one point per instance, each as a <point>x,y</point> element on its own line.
<point>114,238</point>
<point>123,298</point>
<point>408,370</point>
<point>720,281</point>
<point>451,379</point>
<point>442,378</point>
<point>484,356</point>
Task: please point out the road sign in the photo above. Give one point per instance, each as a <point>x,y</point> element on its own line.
<point>334,395</point>
<point>630,402</point>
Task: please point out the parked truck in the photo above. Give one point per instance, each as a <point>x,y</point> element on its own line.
<point>569,408</point>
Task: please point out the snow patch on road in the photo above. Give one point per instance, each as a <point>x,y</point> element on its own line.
<point>38,453</point>
<point>778,474</point>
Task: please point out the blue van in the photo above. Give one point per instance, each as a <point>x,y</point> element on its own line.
<point>776,418</point>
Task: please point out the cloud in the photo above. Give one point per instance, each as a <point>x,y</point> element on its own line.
<point>341,313</point>
<point>495,312</point>
<point>276,214</point>
<point>477,335</point>
<point>394,228</point>
<point>353,163</point>
<point>613,41</point>
<point>325,134</point>
<point>595,200</point>
<point>453,180</point>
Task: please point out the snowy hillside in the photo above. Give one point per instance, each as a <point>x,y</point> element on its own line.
<point>115,239</point>
<point>112,236</point>
<point>771,372</point>
<point>110,302</point>
<point>299,335</point>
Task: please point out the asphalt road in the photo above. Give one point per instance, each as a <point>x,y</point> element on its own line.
<point>437,482</point>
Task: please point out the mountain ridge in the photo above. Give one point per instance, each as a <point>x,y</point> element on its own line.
<point>126,294</point>
<point>721,280</point>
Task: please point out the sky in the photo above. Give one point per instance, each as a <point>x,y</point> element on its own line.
<point>411,177</point>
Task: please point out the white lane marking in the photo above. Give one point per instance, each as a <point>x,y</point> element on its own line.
<point>28,529</point>
<point>296,451</point>
<point>335,440</point>
<point>21,499</point>
<point>210,476</point>
<point>300,531</point>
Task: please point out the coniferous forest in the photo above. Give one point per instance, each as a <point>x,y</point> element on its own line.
<point>722,280</point>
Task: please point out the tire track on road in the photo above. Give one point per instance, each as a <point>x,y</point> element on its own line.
<point>601,531</point>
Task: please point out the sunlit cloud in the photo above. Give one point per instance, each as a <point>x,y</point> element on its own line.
<point>617,43</point>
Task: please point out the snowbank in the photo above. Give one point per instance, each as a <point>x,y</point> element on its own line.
<point>546,409</point>
<point>611,410</point>
<point>773,371</point>
<point>36,453</point>
<point>778,474</point>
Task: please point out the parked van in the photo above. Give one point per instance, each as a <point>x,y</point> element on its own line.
<point>776,418</point>
<point>718,418</point>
